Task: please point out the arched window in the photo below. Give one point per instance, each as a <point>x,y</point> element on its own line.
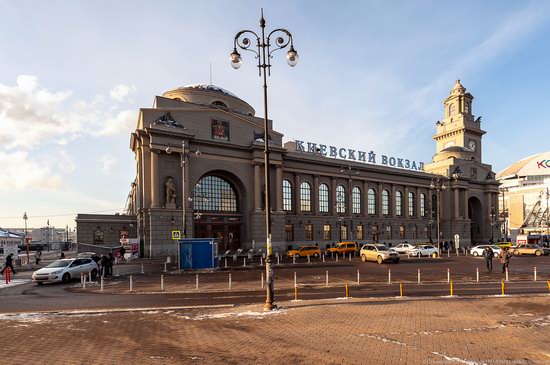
<point>356,200</point>
<point>398,203</point>
<point>452,109</point>
<point>422,205</point>
<point>371,201</point>
<point>287,195</point>
<point>219,104</point>
<point>305,197</point>
<point>385,202</point>
<point>214,194</point>
<point>340,199</point>
<point>323,198</point>
<point>411,204</point>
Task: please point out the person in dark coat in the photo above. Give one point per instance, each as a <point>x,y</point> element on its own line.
<point>488,254</point>
<point>103,266</point>
<point>8,263</point>
<point>122,253</point>
<point>111,261</point>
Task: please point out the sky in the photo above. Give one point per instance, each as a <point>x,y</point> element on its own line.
<point>372,75</point>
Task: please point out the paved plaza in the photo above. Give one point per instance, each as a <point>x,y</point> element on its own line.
<point>490,330</point>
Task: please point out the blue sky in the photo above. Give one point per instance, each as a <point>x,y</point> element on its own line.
<point>372,76</point>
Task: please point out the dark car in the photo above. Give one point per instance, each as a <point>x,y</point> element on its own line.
<point>32,247</point>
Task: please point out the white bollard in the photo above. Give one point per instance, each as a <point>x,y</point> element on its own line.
<point>143,272</point>
<point>295,281</point>
<point>226,262</point>
<point>131,283</point>
<point>337,257</point>
<point>278,260</point>
<point>162,283</point>
<point>293,259</point>
<point>81,276</point>
<point>506,274</point>
<point>535,273</point>
<point>101,280</point>
<point>350,256</point>
<point>332,255</point>
<point>457,252</point>
<point>326,278</point>
<point>229,281</point>
<point>308,259</point>
<point>262,280</point>
<point>448,275</point>
<point>244,261</point>
<point>389,276</point>
<point>165,267</point>
<point>262,261</point>
<point>358,281</point>
<point>477,274</point>
<point>448,253</point>
<point>197,282</point>
<point>84,282</point>
<point>323,258</point>
<point>418,276</point>
<point>89,276</point>
<point>116,271</point>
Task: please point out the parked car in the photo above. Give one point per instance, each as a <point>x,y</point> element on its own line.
<point>65,270</point>
<point>478,250</point>
<point>305,251</point>
<point>378,253</point>
<point>529,249</point>
<point>404,248</point>
<point>424,250</point>
<point>342,248</point>
<point>504,244</point>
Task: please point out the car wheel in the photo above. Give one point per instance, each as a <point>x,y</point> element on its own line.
<point>66,277</point>
<point>316,255</point>
<point>476,254</point>
<point>419,254</point>
<point>434,254</point>
<point>516,252</point>
<point>39,283</point>
<point>363,258</point>
<point>94,274</point>
<point>396,261</point>
<point>296,255</point>
<point>538,253</point>
<point>379,259</point>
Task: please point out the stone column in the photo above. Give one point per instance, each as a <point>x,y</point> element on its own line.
<point>146,174</point>
<point>279,188</point>
<point>297,193</point>
<point>418,210</point>
<point>333,195</point>
<point>456,203</point>
<point>379,200</point>
<point>393,202</point>
<point>154,179</point>
<point>489,203</point>
<point>315,195</point>
<point>466,197</point>
<point>365,200</point>
<point>406,203</point>
<point>257,188</point>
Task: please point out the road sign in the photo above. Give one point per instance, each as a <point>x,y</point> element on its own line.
<point>457,241</point>
<point>176,235</point>
<point>457,237</point>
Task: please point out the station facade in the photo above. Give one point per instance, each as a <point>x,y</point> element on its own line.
<point>200,169</point>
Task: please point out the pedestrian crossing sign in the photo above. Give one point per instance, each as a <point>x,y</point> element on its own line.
<point>176,235</point>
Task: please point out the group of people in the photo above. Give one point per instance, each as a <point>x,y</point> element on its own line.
<point>105,263</point>
<point>505,256</point>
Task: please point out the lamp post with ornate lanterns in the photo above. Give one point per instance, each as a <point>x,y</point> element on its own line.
<point>27,243</point>
<point>263,50</point>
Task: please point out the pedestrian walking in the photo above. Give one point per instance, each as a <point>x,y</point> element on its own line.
<point>122,253</point>
<point>38,257</point>
<point>8,263</point>
<point>110,262</point>
<point>505,259</point>
<point>488,254</point>
<point>104,264</point>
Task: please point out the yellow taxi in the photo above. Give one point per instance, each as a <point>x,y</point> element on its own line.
<point>342,248</point>
<point>305,251</point>
<point>504,244</point>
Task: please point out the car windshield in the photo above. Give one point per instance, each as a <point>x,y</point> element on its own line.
<point>59,263</point>
<point>535,246</point>
<point>382,248</point>
<point>494,247</point>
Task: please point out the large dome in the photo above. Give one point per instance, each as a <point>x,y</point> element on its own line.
<point>210,95</point>
<point>535,165</point>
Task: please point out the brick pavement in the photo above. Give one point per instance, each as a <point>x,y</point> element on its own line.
<point>503,330</point>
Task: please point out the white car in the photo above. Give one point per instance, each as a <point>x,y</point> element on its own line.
<point>404,248</point>
<point>478,250</point>
<point>64,270</point>
<point>424,250</point>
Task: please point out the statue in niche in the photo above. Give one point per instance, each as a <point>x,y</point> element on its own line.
<point>170,188</point>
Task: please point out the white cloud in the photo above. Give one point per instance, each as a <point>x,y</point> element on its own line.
<point>20,172</point>
<point>120,92</point>
<point>107,164</point>
<point>124,122</point>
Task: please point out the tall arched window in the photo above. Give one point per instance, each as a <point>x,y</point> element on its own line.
<point>422,205</point>
<point>214,194</point>
<point>340,199</point>
<point>385,202</point>
<point>411,204</point>
<point>356,200</point>
<point>452,109</point>
<point>323,198</point>
<point>371,201</point>
<point>287,195</point>
<point>398,203</point>
<point>305,197</point>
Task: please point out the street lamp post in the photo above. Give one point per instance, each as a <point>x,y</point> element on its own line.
<point>438,184</point>
<point>504,214</point>
<point>264,54</point>
<point>27,243</point>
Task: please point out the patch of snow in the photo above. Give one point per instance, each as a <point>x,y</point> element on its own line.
<point>248,314</point>
<point>456,359</point>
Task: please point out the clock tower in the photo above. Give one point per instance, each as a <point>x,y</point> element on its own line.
<point>459,128</point>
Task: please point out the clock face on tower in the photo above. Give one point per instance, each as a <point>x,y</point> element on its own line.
<point>472,145</point>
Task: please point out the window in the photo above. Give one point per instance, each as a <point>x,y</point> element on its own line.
<point>426,232</point>
<point>385,202</point>
<point>340,199</point>
<point>356,200</point>
<point>398,203</point>
<point>323,198</point>
<point>214,194</point>
<point>326,232</point>
<point>371,201</point>
<point>467,107</point>
<point>309,232</point>
<point>401,232</point>
<point>360,232</point>
<point>452,109</point>
<point>289,232</point>
<point>388,231</point>
<point>344,232</point>
<point>411,204</point>
<point>287,195</point>
<point>415,232</point>
<point>220,104</point>
<point>422,205</point>
<point>374,229</point>
<point>305,197</point>
<point>98,237</point>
